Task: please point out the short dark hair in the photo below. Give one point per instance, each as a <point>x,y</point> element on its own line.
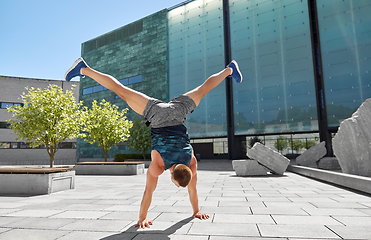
<point>182,174</point>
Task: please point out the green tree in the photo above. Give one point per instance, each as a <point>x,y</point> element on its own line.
<point>254,140</point>
<point>140,137</point>
<point>281,143</point>
<point>48,117</point>
<point>105,125</point>
<point>309,143</point>
<point>296,144</point>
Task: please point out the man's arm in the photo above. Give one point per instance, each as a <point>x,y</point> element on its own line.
<point>192,191</point>
<point>151,183</point>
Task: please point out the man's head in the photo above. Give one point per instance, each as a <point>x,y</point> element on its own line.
<point>181,175</point>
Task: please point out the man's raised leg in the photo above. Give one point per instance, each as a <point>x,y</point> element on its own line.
<point>136,100</point>
<point>214,80</point>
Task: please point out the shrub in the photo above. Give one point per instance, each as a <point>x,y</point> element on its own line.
<point>122,157</point>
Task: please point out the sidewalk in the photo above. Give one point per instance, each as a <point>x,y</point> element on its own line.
<point>275,207</point>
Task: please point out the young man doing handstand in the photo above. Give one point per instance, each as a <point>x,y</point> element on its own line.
<point>171,148</point>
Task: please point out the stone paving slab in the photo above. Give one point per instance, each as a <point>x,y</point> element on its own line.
<point>32,234</point>
<point>291,231</point>
<point>39,223</point>
<point>290,207</point>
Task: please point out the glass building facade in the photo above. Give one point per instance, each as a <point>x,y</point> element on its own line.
<point>298,58</point>
<point>196,51</point>
<point>271,41</point>
<point>345,38</point>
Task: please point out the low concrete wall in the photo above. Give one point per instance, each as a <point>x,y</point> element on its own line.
<point>109,168</point>
<point>36,184</point>
<point>146,162</point>
<point>359,183</point>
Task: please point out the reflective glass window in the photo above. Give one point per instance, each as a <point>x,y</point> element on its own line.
<point>4,125</point>
<point>5,105</point>
<point>4,145</point>
<point>135,79</point>
<point>14,145</point>
<point>98,88</point>
<point>196,51</point>
<point>87,91</point>
<point>345,33</point>
<point>271,42</point>
<point>124,81</point>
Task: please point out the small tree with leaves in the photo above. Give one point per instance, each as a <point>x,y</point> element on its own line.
<point>281,143</point>
<point>296,144</point>
<point>254,140</point>
<point>105,125</point>
<point>309,143</point>
<point>48,117</point>
<point>140,137</point>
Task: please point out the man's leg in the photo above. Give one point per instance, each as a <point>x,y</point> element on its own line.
<point>214,80</point>
<point>136,100</point>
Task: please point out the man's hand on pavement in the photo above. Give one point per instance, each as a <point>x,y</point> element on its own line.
<point>200,215</point>
<point>143,224</point>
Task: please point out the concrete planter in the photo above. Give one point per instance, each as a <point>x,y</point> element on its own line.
<point>109,168</point>
<point>146,162</point>
<point>36,181</point>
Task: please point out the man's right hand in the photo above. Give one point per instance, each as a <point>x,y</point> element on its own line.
<point>143,224</point>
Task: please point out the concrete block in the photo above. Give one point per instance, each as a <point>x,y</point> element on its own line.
<point>36,184</point>
<point>352,142</point>
<point>109,168</point>
<point>248,168</point>
<point>358,183</point>
<point>328,163</point>
<point>312,155</point>
<point>269,158</point>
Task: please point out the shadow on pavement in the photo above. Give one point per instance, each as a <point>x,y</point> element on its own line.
<point>136,234</point>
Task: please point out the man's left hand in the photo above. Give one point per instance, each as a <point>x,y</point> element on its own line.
<point>201,216</point>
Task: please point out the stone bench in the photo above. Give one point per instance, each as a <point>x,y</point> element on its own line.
<point>33,170</point>
<point>36,181</point>
<point>109,168</point>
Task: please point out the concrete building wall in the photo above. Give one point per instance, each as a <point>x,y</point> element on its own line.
<point>11,89</point>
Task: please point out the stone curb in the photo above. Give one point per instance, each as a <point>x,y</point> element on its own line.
<point>358,183</point>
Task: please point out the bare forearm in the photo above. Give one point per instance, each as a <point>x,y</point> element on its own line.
<point>193,198</point>
<point>144,206</point>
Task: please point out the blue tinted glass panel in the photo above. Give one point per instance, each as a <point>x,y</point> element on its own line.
<point>271,42</point>
<point>135,79</point>
<point>345,34</point>
<point>98,88</point>
<point>87,91</point>
<point>196,51</point>
<point>5,105</point>
<point>124,81</point>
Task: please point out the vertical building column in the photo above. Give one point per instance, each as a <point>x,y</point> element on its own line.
<point>319,83</point>
<point>228,83</point>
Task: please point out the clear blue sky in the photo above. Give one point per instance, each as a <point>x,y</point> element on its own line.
<point>42,38</point>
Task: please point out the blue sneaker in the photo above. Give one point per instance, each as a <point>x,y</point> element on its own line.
<point>236,74</point>
<point>75,70</point>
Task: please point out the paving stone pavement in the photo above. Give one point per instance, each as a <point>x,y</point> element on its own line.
<point>271,207</point>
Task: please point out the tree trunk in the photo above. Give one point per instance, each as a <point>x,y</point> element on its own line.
<point>51,160</point>
<point>105,155</point>
<point>144,155</point>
